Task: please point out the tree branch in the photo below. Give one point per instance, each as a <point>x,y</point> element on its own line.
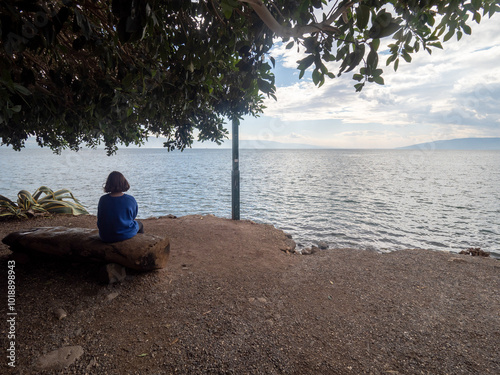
<point>298,31</point>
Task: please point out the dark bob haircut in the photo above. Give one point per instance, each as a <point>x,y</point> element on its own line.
<point>116,183</point>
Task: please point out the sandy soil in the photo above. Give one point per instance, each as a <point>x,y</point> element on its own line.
<point>231,301</point>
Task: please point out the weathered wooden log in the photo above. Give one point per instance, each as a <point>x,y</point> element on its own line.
<point>142,252</point>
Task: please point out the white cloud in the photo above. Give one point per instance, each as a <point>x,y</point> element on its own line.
<point>296,136</point>
<point>452,93</point>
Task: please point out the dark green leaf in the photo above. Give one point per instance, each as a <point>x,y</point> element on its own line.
<point>416,46</point>
<point>449,35</point>
<point>358,77</point>
<point>362,16</point>
<point>273,61</point>
<point>306,62</point>
<point>227,9</point>
<point>316,76</point>
<point>372,59</point>
<point>389,30</point>
<point>359,86</point>
<point>390,59</point>
<point>355,58</point>
<point>406,56</point>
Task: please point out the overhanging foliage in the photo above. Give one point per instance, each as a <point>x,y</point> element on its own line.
<point>92,71</point>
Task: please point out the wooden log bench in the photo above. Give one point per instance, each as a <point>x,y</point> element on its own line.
<point>144,252</point>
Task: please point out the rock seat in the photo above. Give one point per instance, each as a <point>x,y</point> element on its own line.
<point>144,252</point>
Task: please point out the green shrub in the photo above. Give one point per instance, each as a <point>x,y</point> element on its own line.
<point>30,204</point>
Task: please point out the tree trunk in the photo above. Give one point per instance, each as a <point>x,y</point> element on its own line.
<point>142,252</point>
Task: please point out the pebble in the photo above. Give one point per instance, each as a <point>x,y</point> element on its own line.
<point>112,273</point>
<point>322,245</point>
<point>60,313</point>
<point>112,296</point>
<point>309,250</point>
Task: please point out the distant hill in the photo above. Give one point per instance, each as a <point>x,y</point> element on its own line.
<point>458,144</point>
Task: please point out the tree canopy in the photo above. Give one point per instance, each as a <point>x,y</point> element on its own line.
<point>87,72</point>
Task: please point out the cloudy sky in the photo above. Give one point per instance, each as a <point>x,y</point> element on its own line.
<point>453,93</point>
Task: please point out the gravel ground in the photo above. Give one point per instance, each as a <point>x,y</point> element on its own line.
<point>232,300</point>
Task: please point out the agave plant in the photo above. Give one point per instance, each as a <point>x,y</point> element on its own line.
<point>52,202</point>
<point>10,209</point>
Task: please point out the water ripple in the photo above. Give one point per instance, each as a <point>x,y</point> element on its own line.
<point>381,200</point>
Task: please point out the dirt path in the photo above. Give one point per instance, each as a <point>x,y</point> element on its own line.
<point>232,302</point>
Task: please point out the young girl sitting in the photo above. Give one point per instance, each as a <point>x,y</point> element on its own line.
<point>117,211</point>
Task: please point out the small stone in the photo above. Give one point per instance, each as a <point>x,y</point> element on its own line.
<point>112,296</point>
<point>290,244</point>
<point>60,313</point>
<point>306,251</point>
<point>309,250</point>
<point>60,358</point>
<point>112,273</point>
<point>322,245</point>
<point>92,363</point>
<point>262,299</point>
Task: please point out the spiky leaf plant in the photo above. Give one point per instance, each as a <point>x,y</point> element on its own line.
<point>29,204</point>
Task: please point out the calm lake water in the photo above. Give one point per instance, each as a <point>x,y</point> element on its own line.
<point>381,200</point>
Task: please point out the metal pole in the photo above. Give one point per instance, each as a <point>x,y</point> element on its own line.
<point>235,175</point>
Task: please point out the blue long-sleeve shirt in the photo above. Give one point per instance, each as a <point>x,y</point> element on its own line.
<point>116,218</point>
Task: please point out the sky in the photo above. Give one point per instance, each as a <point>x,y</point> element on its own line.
<point>453,93</point>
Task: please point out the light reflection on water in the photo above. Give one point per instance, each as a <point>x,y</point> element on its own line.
<point>371,199</point>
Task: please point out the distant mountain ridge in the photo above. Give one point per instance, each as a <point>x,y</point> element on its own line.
<point>491,143</point>
<point>458,144</point>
